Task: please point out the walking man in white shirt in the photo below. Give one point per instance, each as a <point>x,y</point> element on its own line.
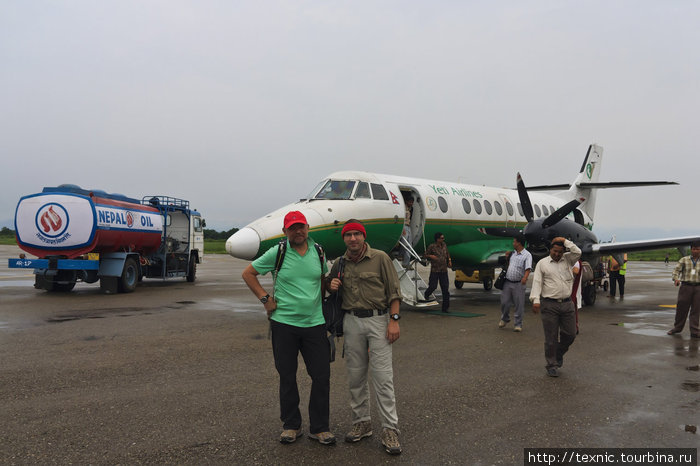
<point>551,294</point>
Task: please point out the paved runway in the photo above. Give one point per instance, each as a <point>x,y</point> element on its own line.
<point>182,373</point>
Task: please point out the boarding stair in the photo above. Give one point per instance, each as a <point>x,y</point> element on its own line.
<point>412,285</point>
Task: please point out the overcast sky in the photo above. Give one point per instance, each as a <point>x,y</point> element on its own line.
<point>243,106</point>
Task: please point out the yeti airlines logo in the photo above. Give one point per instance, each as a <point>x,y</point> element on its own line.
<point>51,223</point>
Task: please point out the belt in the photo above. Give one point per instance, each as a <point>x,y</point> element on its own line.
<point>367,312</point>
<point>513,281</point>
<point>565,300</point>
<point>690,283</point>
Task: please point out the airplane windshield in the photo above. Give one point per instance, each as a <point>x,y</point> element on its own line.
<point>336,189</point>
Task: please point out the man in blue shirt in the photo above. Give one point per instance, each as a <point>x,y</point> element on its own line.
<point>297,323</point>
<point>513,293</point>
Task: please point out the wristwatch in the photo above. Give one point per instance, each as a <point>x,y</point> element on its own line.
<point>265,298</point>
<point>395,316</point>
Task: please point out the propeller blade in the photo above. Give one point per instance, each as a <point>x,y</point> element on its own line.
<point>525,200</point>
<point>561,212</point>
<point>507,232</point>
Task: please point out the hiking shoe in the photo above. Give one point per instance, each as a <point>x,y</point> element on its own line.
<point>518,329</point>
<point>359,431</point>
<point>290,435</point>
<point>502,323</point>
<point>390,440</point>
<point>324,438</point>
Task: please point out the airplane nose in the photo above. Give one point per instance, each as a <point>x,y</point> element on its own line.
<point>243,244</point>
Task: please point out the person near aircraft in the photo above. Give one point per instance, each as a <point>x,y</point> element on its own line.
<point>623,274</point>
<point>576,297</point>
<point>513,293</point>
<point>687,276</point>
<point>440,261</point>
<point>371,299</point>
<point>551,295</point>
<point>297,324</point>
<point>408,202</point>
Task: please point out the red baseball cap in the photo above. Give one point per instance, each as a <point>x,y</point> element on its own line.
<point>294,217</point>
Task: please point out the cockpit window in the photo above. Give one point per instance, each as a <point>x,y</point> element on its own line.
<point>336,189</point>
<point>379,193</point>
<point>362,191</point>
<point>315,190</point>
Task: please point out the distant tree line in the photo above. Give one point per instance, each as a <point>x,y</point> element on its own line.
<point>213,234</point>
<point>7,232</point>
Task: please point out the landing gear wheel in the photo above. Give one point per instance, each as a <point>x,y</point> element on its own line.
<point>130,276</point>
<point>459,284</point>
<point>588,294</point>
<point>488,284</point>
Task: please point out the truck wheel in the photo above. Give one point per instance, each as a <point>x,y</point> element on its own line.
<point>605,286</point>
<point>63,287</point>
<point>488,284</point>
<point>459,284</point>
<point>588,293</point>
<point>130,276</point>
<point>192,269</point>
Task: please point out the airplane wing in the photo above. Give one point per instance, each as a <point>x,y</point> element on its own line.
<point>601,185</point>
<point>643,245</point>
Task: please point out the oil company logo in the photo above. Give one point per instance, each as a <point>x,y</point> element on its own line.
<point>129,219</point>
<point>52,221</point>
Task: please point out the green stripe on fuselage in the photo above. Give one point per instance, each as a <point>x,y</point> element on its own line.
<point>467,245</point>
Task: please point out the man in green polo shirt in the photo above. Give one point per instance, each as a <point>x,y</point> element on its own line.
<point>297,323</point>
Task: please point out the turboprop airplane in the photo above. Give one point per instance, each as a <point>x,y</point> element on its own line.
<point>477,221</point>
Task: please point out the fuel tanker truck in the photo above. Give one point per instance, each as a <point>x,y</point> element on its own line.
<point>89,235</point>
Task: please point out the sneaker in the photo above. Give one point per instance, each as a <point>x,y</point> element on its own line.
<point>502,323</point>
<point>390,440</point>
<point>518,329</point>
<point>290,435</point>
<point>359,431</point>
<point>324,438</point>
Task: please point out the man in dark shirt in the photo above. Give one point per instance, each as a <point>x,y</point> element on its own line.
<point>440,260</point>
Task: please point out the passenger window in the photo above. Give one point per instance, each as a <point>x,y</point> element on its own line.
<point>499,209</point>
<point>552,209</point>
<point>520,209</point>
<point>487,206</point>
<point>442,203</point>
<point>466,206</point>
<point>545,210</point>
<point>477,206</point>
<point>362,191</point>
<point>336,189</point>
<point>538,212</point>
<point>509,208</point>
<point>379,193</point>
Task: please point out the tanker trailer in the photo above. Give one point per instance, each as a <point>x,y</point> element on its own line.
<point>90,235</point>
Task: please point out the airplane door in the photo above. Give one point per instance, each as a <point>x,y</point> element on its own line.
<point>418,217</point>
<point>508,209</point>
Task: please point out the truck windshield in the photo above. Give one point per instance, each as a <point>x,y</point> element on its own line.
<point>336,189</point>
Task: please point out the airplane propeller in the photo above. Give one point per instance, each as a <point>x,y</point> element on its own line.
<point>537,233</point>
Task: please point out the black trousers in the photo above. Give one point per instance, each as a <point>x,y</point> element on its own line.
<point>444,287</point>
<point>287,342</point>
<point>619,279</point>
<point>559,324</point>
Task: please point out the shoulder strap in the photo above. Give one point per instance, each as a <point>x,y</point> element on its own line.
<point>281,251</point>
<point>319,250</point>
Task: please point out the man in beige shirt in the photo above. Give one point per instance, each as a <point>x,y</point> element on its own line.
<point>551,294</point>
<point>371,298</point>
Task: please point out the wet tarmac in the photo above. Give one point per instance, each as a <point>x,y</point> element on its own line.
<point>182,373</point>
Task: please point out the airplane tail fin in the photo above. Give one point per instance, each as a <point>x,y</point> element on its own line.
<point>583,185</point>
